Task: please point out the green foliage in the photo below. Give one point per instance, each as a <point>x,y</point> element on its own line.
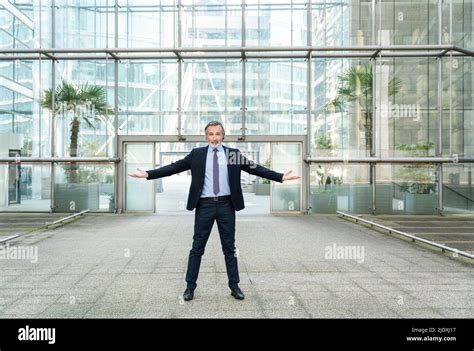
<point>417,149</point>
<point>355,85</point>
<point>416,179</point>
<point>86,103</point>
<point>323,142</point>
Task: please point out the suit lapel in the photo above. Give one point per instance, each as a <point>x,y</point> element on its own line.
<point>203,161</point>
<point>227,153</point>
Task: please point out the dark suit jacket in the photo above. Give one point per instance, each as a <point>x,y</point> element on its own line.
<point>196,162</point>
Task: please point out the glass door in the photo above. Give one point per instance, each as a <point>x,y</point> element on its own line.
<point>286,197</point>
<point>14,170</point>
<point>139,194</point>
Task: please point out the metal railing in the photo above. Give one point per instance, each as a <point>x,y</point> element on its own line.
<point>46,226</point>
<point>412,237</point>
<point>226,52</point>
<point>59,221</point>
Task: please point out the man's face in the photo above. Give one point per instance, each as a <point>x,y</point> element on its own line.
<point>214,136</point>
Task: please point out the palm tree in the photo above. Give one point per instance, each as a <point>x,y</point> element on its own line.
<point>355,84</point>
<point>86,102</point>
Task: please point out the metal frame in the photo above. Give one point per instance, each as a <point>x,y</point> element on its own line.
<point>60,221</point>
<point>243,53</point>
<point>122,139</point>
<point>183,53</point>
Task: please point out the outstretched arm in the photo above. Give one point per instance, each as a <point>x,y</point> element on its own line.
<point>165,171</point>
<point>255,169</point>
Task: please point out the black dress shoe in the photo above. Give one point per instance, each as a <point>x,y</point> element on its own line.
<point>188,294</point>
<point>237,293</point>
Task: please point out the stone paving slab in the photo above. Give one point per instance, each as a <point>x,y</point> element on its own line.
<point>133,266</point>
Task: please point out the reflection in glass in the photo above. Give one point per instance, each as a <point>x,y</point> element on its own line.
<point>26,187</point>
<point>407,189</point>
<point>286,197</point>
<point>148,97</point>
<point>336,187</point>
<point>458,188</point>
<point>92,190</point>
<point>342,107</point>
<point>212,90</point>
<point>84,100</point>
<point>211,24</point>
<point>276,96</point>
<point>276,23</point>
<point>138,192</point>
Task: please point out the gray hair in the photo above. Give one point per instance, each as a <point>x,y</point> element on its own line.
<point>214,123</point>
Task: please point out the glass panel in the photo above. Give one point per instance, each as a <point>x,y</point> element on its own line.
<point>172,192</point>
<point>458,129</point>
<point>148,97</point>
<point>276,96</point>
<point>26,187</point>
<point>212,24</point>
<point>23,124</point>
<point>406,189</point>
<point>212,90</point>
<point>408,22</point>
<point>83,186</point>
<point>458,188</point>
<point>256,190</point>
<point>342,107</point>
<point>42,19</point>
<point>84,128</point>
<point>337,23</point>
<point>458,23</point>
<point>276,23</point>
<point>336,187</point>
<point>286,197</point>
<point>17,26</point>
<point>407,101</point>
<point>85,24</point>
<point>144,23</point>
<point>138,192</point>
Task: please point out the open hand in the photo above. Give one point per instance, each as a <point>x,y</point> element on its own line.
<point>289,176</point>
<point>139,173</point>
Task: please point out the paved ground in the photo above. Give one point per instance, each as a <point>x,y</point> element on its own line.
<point>134,265</point>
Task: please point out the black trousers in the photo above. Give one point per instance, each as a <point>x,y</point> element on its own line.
<point>208,211</point>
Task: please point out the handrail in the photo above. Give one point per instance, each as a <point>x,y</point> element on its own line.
<point>25,159</point>
<point>66,218</point>
<point>47,225</point>
<point>368,159</point>
<point>413,237</point>
<point>457,192</point>
<point>9,238</point>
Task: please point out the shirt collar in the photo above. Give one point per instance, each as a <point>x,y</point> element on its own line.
<point>219,148</point>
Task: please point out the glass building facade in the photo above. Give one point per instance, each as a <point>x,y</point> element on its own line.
<point>370,101</point>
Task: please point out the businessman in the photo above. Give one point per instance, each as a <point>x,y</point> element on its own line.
<point>216,194</point>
